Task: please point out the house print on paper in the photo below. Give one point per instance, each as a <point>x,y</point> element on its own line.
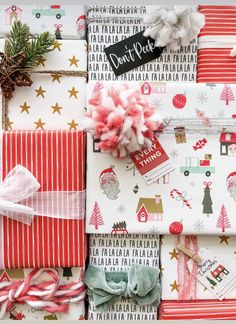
<point>13,13</point>
<point>219,273</point>
<point>228,144</point>
<point>150,209</point>
<point>11,274</point>
<point>146,88</point>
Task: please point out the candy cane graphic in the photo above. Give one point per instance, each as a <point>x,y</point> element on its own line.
<point>180,196</point>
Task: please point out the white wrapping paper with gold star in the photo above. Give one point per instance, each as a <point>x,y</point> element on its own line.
<point>53,101</point>
<point>178,283</point>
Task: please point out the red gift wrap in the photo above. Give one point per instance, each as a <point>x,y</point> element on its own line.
<point>198,309</point>
<point>57,160</point>
<point>216,40</point>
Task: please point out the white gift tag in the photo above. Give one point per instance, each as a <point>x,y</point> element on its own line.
<point>213,274</point>
<point>152,162</point>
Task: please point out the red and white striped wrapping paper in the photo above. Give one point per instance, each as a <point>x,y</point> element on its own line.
<point>57,160</point>
<point>215,42</point>
<point>200,309</point>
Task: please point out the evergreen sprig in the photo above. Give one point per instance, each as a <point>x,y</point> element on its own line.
<point>32,47</point>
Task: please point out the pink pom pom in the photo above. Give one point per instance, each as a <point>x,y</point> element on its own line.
<point>121,119</point>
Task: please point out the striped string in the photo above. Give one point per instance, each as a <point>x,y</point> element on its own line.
<point>48,295</point>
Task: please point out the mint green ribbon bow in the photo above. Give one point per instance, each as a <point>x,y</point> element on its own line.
<point>140,283</point>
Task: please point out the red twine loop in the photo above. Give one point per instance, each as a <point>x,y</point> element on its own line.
<point>35,291</point>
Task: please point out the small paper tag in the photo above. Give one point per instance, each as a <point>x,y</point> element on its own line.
<point>152,162</point>
<point>213,274</point>
<point>131,53</point>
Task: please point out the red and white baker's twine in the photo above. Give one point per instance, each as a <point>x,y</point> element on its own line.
<point>48,295</point>
<point>181,197</point>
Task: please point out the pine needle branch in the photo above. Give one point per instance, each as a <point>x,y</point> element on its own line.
<point>21,41</point>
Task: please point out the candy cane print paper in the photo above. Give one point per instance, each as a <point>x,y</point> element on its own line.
<point>199,195</point>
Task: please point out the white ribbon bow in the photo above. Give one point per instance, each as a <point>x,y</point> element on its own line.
<point>20,199</point>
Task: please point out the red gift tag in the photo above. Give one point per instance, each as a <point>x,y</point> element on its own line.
<point>152,162</point>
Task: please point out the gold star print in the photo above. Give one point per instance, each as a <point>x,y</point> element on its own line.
<point>72,125</point>
<point>224,239</point>
<point>174,254</point>
<point>57,45</point>
<point>40,92</point>
<point>56,108</point>
<point>41,61</point>
<point>73,92</point>
<point>39,124</point>
<point>56,77</point>
<point>73,61</point>
<point>174,286</point>
<point>25,108</point>
<point>9,123</point>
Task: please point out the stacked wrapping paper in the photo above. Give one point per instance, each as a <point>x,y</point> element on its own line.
<point>108,25</point>
<point>39,106</point>
<point>219,310</point>
<point>63,21</point>
<point>118,253</point>
<point>215,42</point>
<point>195,191</point>
<point>24,312</point>
<point>177,283</point>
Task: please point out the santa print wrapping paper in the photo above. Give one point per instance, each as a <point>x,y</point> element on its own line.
<point>176,280</point>
<point>199,142</point>
<point>118,253</point>
<point>25,312</point>
<point>57,160</point>
<point>216,40</point>
<point>62,21</point>
<point>195,310</point>
<point>40,106</point>
<point>108,25</point>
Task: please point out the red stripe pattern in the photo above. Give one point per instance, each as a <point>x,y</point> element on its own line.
<point>214,64</point>
<point>199,309</point>
<point>57,160</point>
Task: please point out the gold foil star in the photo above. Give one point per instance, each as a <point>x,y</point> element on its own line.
<point>73,125</point>
<point>9,123</point>
<point>174,286</point>
<point>57,45</point>
<point>41,61</point>
<point>39,124</point>
<point>56,108</point>
<point>73,92</point>
<point>73,61</point>
<point>224,239</point>
<point>25,108</point>
<point>40,92</point>
<point>174,254</point>
<point>56,77</point>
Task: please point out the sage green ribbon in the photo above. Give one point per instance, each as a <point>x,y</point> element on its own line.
<point>140,284</point>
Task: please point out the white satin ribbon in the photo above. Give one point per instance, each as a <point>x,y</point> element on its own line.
<point>216,42</point>
<point>20,199</point>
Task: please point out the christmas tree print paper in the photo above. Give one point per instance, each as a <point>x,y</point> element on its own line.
<point>199,195</point>
<point>176,277</point>
<point>118,253</point>
<point>53,101</point>
<point>62,21</point>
